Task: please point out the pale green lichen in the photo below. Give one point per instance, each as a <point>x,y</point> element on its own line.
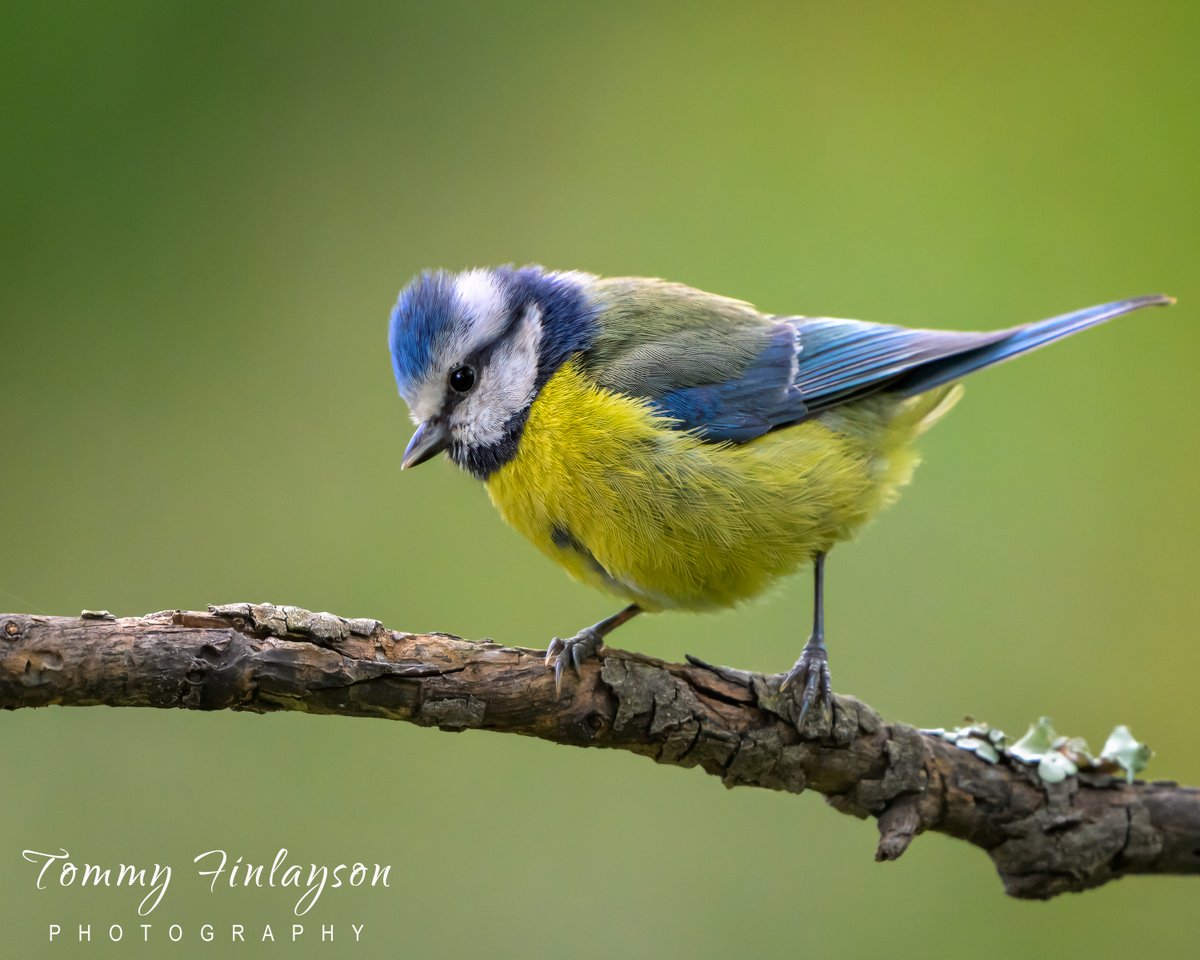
<point>1122,749</point>
<point>1077,749</point>
<point>980,748</point>
<point>1037,742</point>
<point>1054,767</point>
<point>1056,757</point>
<point>981,739</point>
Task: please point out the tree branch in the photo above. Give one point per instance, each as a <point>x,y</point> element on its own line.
<point>1044,839</point>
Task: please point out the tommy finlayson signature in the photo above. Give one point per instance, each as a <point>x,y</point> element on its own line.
<point>58,869</point>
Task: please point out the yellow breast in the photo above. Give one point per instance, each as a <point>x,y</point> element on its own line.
<point>608,489</point>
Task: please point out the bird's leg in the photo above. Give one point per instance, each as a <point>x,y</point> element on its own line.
<point>585,643</point>
<point>811,673</point>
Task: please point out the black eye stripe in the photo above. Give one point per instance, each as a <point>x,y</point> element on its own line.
<point>480,356</point>
<point>485,350</point>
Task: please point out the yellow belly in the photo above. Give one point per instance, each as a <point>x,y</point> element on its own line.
<point>608,489</point>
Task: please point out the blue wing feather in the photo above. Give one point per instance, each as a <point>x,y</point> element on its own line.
<point>739,409</point>
<point>811,364</point>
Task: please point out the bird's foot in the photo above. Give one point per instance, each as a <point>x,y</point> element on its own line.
<point>572,651</point>
<point>810,679</point>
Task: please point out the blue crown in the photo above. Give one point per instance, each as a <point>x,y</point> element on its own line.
<point>421,318</point>
<point>427,313</point>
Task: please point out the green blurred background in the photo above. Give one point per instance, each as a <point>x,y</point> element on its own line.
<point>208,209</point>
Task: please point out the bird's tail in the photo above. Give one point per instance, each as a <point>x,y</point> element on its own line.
<point>945,369</point>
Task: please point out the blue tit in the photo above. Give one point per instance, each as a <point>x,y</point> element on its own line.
<point>676,448</point>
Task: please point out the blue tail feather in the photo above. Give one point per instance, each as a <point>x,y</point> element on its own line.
<point>943,370</point>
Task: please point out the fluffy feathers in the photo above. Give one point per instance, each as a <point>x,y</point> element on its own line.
<point>674,447</point>
<point>605,486</point>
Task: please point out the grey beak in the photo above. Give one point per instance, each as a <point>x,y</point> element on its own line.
<point>431,438</point>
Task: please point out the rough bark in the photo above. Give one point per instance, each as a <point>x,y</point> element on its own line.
<point>1044,839</point>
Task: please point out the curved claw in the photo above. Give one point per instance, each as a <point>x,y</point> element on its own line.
<point>572,651</point>
<point>812,673</point>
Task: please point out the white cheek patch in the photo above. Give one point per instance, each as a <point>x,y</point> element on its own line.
<point>505,387</point>
<point>482,304</point>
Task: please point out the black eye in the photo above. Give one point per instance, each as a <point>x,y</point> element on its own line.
<point>462,378</point>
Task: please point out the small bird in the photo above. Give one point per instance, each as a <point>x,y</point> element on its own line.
<point>677,448</point>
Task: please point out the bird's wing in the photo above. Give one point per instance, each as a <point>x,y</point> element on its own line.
<point>841,360</point>
<point>728,373</point>
<point>806,366</point>
<point>714,365</point>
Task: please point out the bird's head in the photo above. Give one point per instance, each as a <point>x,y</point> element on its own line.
<point>471,351</point>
